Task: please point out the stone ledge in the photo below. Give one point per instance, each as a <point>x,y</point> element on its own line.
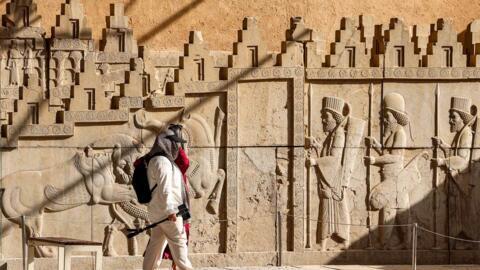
<point>262,259</point>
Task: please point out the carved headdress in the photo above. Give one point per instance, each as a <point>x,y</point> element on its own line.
<point>336,106</point>
<point>462,106</point>
<point>395,103</point>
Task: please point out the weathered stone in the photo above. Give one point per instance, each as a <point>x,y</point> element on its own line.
<point>70,132</point>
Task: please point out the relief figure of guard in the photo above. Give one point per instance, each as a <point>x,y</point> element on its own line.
<point>334,165</point>
<point>391,195</point>
<point>462,170</point>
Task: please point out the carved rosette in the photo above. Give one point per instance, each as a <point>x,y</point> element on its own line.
<point>167,101</point>
<point>200,87</point>
<point>108,116</point>
<point>232,163</point>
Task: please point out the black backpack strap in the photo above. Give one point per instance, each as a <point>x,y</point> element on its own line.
<point>154,187</point>
<point>147,160</point>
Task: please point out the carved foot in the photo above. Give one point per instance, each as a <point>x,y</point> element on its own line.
<point>108,249</point>
<point>110,252</point>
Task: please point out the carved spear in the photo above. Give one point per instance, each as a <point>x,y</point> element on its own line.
<point>368,180</point>
<point>309,169</point>
<point>435,168</point>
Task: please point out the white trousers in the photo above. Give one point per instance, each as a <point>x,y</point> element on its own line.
<point>174,234</point>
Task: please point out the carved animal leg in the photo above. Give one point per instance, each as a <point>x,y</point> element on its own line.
<point>108,247</point>
<point>195,179</point>
<point>118,193</point>
<point>218,125</point>
<point>133,243</point>
<point>34,227</point>
<point>214,199</point>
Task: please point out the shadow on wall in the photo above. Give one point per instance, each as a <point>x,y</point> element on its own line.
<point>168,21</point>
<point>453,215</point>
<point>13,204</point>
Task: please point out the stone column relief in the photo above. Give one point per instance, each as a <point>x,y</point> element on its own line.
<point>299,156</point>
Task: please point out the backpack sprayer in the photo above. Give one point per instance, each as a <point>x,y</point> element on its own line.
<point>182,211</point>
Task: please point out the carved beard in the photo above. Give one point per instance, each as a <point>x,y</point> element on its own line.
<point>389,127</point>
<point>329,125</point>
<point>456,126</point>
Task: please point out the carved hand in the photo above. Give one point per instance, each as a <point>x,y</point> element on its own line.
<point>437,142</point>
<point>326,193</point>
<point>369,160</point>
<point>312,142</point>
<point>311,162</point>
<point>438,162</point>
<point>371,142</point>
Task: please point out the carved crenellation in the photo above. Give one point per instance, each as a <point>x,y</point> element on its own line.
<point>399,48</point>
<point>118,36</point>
<point>472,43</point>
<point>136,79</point>
<point>293,49</point>
<point>353,45</point>
<point>21,14</point>
<point>421,35</point>
<point>114,76</point>
<point>33,107</point>
<point>159,69</point>
<point>444,49</point>
<point>197,72</point>
<point>197,64</point>
<point>89,94</point>
<point>250,50</point>
<point>72,22</point>
<point>118,60</point>
<point>22,21</point>
<point>89,87</point>
<point>315,54</point>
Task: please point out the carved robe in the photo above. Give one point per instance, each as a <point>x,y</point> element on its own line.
<point>462,210</point>
<point>12,65</point>
<point>333,203</point>
<point>334,169</point>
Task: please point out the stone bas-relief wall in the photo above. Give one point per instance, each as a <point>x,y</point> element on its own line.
<point>304,156</point>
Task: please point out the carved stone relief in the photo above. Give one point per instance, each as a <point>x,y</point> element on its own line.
<point>308,150</point>
<point>335,160</point>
